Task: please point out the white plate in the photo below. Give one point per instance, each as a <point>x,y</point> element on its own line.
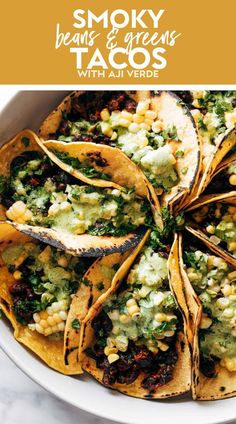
<point>26,109</point>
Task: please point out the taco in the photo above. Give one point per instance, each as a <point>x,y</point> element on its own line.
<point>215,222</point>
<point>102,166</point>
<point>153,129</point>
<point>37,282</point>
<point>214,113</point>
<point>44,201</point>
<point>209,283</point>
<point>134,335</point>
<point>96,281</point>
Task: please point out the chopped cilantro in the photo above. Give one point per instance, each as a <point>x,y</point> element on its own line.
<point>184,170</point>
<point>116,267</point>
<point>76,324</point>
<point>103,228</point>
<point>4,183</point>
<point>11,268</point>
<point>190,259</point>
<point>179,153</point>
<point>84,167</point>
<point>25,141</point>
<point>100,286</point>
<point>86,282</point>
<point>25,307</point>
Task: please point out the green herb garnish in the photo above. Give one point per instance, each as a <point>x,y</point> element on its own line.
<point>75,324</point>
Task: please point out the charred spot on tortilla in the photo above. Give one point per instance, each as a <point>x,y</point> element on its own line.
<point>90,301</point>
<point>97,158</point>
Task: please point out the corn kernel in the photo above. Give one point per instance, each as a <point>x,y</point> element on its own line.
<point>55,306</point>
<point>65,206</point>
<point>160,317</point>
<point>142,107</point>
<point>163,346</point>
<point>113,358</point>
<point>49,310</point>
<point>133,127</point>
<point>210,229</point>
<point>227,290</point>
<point>217,262</point>
<point>145,126</point>
<point>63,315</point>
<point>38,328</point>
<point>157,126</point>
<point>134,309</point>
<point>20,259</point>
<point>48,331</point>
<point>149,122</point>
<point>131,302</point>
<point>232,179</point>
<point>17,275</point>
<point>228,313</point>
<point>229,363</point>
<point>105,114</point>
<point>142,141</point>
<point>19,208</point>
<point>106,129</point>
<point>43,315</point>
<point>151,114</point>
<point>124,319</point>
<point>124,123</point>
<point>138,119</point>
<point>51,321</point>
<point>57,318</point>
<point>169,333</point>
<point>61,326</point>
<point>45,255</point>
<point>54,209</point>
<point>232,297</point>
<point>110,342</point>
<point>36,317</point>
<point>126,115</point>
<point>43,323</point>
<point>109,350</point>
<point>205,322</point>
<point>27,215</point>
<point>31,327</point>
<point>114,135</point>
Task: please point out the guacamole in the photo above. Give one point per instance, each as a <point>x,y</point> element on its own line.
<point>215,283</point>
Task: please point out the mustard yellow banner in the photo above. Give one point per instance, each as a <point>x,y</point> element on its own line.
<point>123,42</point>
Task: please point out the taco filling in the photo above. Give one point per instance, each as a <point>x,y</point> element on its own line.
<point>39,193</point>
<point>223,181</point>
<point>133,127</point>
<point>218,222</point>
<point>215,283</point>
<point>214,112</point>
<point>44,282</point>
<point>136,330</point>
